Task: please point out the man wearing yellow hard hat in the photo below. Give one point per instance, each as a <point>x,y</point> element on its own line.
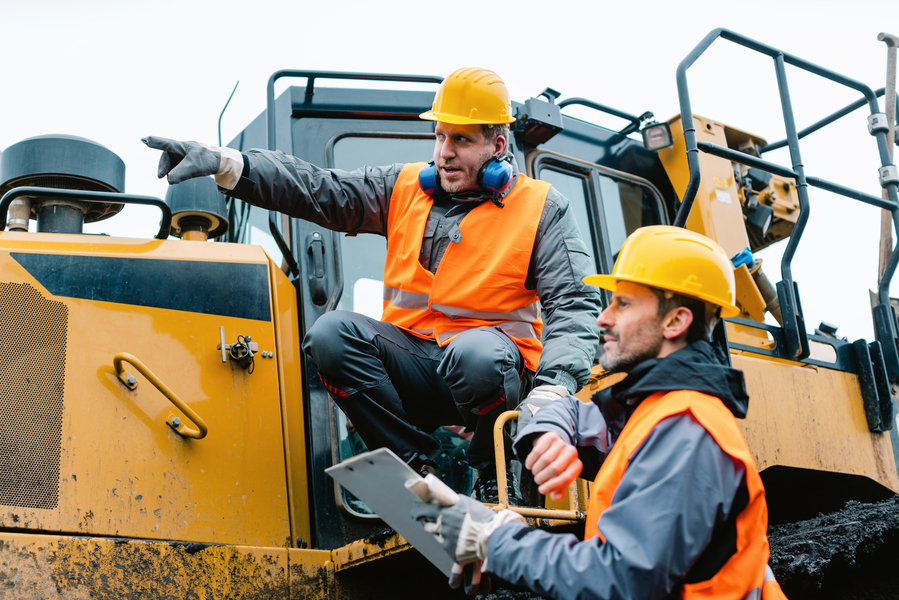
<point>677,507</point>
<point>475,250</point>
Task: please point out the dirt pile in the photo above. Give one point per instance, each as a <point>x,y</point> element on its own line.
<point>848,554</point>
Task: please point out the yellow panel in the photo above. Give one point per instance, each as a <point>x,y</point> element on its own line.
<point>45,566</point>
<point>123,470</point>
<point>367,550</point>
<point>716,211</point>
<point>287,328</point>
<point>748,296</point>
<point>811,418</point>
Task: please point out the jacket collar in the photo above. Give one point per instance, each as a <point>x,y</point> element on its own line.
<point>698,368</point>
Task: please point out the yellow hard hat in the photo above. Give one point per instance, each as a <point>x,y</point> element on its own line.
<point>678,260</point>
<point>471,96</point>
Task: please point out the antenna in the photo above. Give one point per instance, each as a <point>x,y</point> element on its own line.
<point>226,108</point>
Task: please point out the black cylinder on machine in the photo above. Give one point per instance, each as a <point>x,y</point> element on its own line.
<point>197,206</point>
<point>65,162</point>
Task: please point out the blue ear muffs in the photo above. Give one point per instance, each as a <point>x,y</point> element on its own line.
<point>428,180</point>
<point>495,175</point>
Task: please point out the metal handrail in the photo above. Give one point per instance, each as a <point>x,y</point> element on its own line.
<point>282,244</point>
<point>797,345</point>
<point>823,122</point>
<point>502,483</point>
<point>634,120</point>
<point>311,76</point>
<point>165,224</point>
<point>131,382</point>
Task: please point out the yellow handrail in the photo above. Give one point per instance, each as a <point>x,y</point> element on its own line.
<point>129,380</point>
<point>499,447</point>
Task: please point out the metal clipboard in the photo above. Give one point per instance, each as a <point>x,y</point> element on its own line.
<point>379,478</point>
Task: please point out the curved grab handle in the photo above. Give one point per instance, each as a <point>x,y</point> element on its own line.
<point>556,514</point>
<point>176,424</point>
<point>165,224</point>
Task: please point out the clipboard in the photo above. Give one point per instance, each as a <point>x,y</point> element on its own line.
<point>379,478</point>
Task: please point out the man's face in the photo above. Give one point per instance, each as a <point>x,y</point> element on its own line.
<point>632,328</point>
<point>458,155</point>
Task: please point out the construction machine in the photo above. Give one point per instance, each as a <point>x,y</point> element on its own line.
<point>163,436</point>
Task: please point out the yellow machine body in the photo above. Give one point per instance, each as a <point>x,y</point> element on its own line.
<point>122,469</point>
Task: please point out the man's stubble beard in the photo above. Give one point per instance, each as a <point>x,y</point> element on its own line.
<point>470,184</point>
<point>642,345</point>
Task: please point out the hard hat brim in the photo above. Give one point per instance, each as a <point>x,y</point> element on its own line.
<point>610,282</point>
<point>456,120</point>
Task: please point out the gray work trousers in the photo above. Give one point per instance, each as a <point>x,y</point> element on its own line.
<point>397,388</point>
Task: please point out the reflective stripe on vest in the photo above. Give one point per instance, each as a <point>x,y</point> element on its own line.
<point>403,299</point>
<point>480,281</point>
<point>770,589</point>
<point>527,314</point>
<point>745,569</point>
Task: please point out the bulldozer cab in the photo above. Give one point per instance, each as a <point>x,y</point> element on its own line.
<point>614,185</point>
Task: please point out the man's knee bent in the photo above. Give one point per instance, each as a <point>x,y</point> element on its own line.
<point>329,337</point>
<point>476,362</point>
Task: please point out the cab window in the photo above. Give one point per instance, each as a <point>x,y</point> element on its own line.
<point>363,256</point>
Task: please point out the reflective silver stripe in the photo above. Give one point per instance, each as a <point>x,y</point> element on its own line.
<point>423,331</point>
<point>528,313</point>
<point>756,593</point>
<point>402,299</point>
<point>516,329</point>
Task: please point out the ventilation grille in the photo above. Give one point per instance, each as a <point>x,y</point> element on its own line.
<point>32,380</point>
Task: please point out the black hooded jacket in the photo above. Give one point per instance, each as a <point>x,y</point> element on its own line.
<point>697,368</point>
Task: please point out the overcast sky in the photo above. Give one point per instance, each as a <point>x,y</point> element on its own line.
<point>114,71</point>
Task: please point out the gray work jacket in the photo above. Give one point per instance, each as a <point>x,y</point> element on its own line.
<point>358,202</point>
<point>679,484</point>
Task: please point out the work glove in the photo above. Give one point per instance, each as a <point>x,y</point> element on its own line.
<point>539,397</point>
<point>463,527</point>
<point>181,161</point>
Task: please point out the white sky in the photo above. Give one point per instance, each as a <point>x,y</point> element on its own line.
<point>115,71</point>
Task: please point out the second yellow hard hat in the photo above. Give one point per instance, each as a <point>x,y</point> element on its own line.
<point>678,260</point>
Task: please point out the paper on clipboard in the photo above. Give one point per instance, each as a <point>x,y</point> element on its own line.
<point>379,478</point>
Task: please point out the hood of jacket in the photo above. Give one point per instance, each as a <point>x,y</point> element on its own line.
<point>698,368</point>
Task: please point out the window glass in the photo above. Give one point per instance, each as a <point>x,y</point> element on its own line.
<point>363,255</point>
<point>627,207</point>
<point>574,188</point>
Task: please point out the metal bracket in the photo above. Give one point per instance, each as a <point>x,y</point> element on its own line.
<point>241,352</point>
<point>878,122</point>
<point>888,174</point>
<point>872,379</point>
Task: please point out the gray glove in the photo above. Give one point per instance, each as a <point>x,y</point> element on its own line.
<point>539,397</point>
<point>446,522</point>
<point>184,160</point>
<point>462,526</point>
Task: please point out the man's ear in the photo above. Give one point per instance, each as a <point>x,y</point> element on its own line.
<point>499,145</point>
<point>677,322</point>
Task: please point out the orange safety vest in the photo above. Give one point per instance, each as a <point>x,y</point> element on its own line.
<point>480,279</point>
<point>746,575</point>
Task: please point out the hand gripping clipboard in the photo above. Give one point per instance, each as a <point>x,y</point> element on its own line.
<point>379,478</point>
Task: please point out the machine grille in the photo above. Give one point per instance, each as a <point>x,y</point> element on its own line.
<point>33,333</point>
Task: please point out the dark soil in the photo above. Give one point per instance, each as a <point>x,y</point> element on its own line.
<point>850,554</point>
